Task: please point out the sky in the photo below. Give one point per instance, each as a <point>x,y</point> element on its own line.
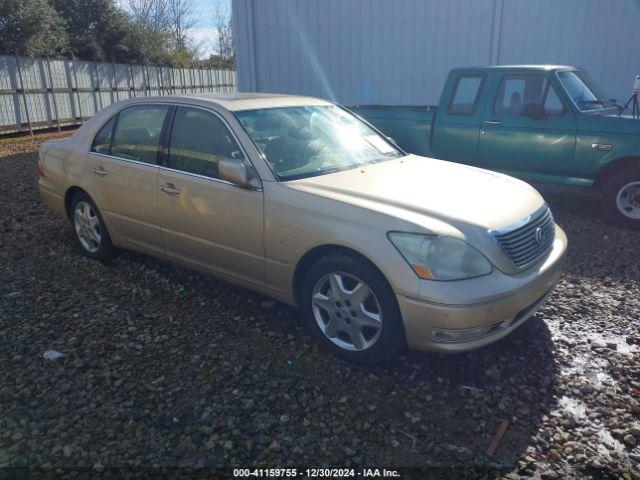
<point>204,33</point>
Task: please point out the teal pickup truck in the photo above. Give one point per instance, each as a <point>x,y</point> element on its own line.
<point>538,123</point>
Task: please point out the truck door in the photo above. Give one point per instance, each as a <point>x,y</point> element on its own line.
<point>527,131</point>
<point>457,123</point>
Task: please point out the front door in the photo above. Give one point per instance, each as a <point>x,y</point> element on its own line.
<point>124,175</point>
<point>528,131</point>
<point>206,220</point>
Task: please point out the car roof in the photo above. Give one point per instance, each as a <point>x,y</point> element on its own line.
<point>235,101</point>
<point>488,68</point>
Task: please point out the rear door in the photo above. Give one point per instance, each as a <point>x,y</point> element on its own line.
<point>124,185</point>
<point>516,140</point>
<point>205,220</point>
<point>457,124</point>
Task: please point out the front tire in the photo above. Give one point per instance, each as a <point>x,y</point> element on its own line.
<point>350,308</point>
<point>91,232</point>
<point>621,198</point>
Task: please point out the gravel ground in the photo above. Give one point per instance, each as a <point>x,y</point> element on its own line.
<point>163,367</point>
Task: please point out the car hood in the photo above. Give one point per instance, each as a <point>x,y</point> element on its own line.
<point>419,189</point>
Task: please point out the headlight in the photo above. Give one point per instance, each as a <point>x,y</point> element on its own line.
<point>433,257</point>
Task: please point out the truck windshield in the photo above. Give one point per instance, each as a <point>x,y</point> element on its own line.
<point>306,141</point>
<point>578,86</point>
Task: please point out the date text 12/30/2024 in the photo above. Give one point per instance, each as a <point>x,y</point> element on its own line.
<point>315,472</point>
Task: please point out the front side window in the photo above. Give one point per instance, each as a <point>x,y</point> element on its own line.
<point>305,141</point>
<point>137,132</point>
<point>522,94</point>
<point>465,96</point>
<point>102,141</point>
<point>199,139</point>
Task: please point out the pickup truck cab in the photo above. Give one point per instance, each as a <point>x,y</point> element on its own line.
<point>539,123</point>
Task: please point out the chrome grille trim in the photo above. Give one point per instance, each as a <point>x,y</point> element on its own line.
<point>518,241</point>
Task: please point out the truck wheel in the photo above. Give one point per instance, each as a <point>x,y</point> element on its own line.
<point>91,232</point>
<point>621,198</point>
<point>350,308</point>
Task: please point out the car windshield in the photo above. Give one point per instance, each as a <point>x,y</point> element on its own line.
<point>306,141</point>
<point>581,90</point>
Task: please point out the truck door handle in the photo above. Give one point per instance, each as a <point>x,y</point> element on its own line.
<point>492,122</point>
<point>169,189</point>
<point>100,171</point>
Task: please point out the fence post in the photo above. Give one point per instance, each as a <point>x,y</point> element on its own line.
<point>53,94</point>
<point>115,82</point>
<point>24,95</point>
<point>99,89</point>
<point>146,69</point>
<point>132,82</point>
<point>75,79</point>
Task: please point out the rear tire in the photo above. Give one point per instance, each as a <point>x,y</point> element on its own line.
<point>91,232</point>
<point>361,323</point>
<point>621,198</point>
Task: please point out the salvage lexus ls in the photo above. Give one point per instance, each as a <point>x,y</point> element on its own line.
<point>301,200</point>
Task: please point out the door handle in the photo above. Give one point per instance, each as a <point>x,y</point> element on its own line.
<point>492,122</point>
<point>169,189</point>
<point>100,171</point>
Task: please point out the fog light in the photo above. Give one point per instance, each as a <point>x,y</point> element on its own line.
<point>467,334</point>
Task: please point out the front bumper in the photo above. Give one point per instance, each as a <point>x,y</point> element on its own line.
<point>506,302</point>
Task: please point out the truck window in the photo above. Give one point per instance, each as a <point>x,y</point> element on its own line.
<point>516,91</point>
<point>465,95</point>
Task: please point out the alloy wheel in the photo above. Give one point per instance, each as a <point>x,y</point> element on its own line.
<point>87,225</point>
<point>347,311</point>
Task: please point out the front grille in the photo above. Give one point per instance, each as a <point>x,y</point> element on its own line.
<point>526,243</point>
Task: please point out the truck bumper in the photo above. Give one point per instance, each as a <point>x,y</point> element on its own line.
<point>449,327</point>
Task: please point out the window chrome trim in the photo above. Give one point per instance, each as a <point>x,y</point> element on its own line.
<point>162,147</point>
<point>162,167</point>
<point>129,160</point>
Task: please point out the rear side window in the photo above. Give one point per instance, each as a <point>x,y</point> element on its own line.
<point>137,132</point>
<point>466,94</point>
<point>102,142</point>
<point>199,139</point>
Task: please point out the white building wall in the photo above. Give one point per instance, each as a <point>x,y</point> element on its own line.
<point>400,51</point>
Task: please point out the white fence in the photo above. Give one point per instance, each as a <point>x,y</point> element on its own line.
<point>38,93</point>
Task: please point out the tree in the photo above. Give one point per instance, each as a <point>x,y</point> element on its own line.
<point>225,47</point>
<point>166,26</point>
<point>181,23</point>
<point>150,21</point>
<point>98,29</point>
<point>31,27</point>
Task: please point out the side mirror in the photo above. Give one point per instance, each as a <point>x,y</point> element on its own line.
<point>533,110</point>
<point>235,171</point>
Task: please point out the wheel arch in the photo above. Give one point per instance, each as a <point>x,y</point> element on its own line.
<point>315,254</point>
<point>68,197</point>
<point>615,166</point>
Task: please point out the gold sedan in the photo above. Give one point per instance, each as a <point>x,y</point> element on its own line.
<point>298,199</point>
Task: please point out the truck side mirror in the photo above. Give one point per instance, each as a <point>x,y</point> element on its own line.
<point>533,110</point>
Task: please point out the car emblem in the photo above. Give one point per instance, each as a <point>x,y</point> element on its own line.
<point>540,235</point>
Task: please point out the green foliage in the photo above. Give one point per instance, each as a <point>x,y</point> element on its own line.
<point>31,27</point>
<point>154,33</point>
<point>98,29</point>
